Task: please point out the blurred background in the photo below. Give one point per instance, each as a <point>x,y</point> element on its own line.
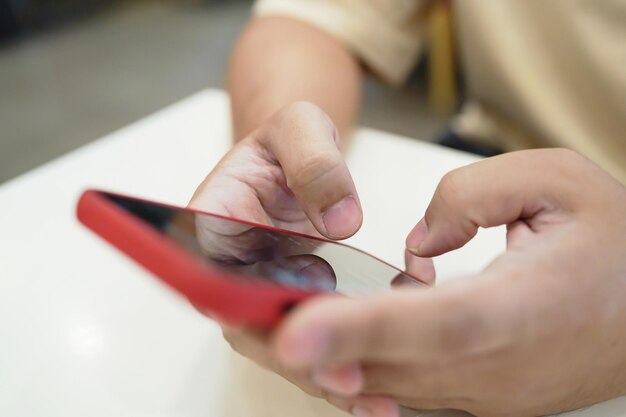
<point>72,71</point>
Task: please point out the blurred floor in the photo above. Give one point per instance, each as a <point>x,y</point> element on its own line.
<point>65,88</point>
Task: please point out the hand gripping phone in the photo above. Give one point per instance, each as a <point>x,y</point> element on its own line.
<point>242,273</point>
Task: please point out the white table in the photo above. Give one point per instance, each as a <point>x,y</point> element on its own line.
<point>86,332</point>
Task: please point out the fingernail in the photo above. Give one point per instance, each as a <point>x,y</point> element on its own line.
<point>343,218</point>
<point>346,380</point>
<point>416,237</point>
<point>304,348</point>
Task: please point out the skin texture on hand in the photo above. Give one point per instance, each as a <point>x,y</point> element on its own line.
<point>541,330</point>
<point>288,173</point>
<point>282,172</point>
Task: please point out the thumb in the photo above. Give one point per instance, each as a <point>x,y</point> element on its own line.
<point>492,192</point>
<point>468,317</point>
<point>303,141</point>
<point>420,267</point>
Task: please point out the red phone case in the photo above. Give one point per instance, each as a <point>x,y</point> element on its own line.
<point>230,298</point>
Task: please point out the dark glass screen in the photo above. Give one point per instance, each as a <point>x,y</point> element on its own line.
<point>284,258</point>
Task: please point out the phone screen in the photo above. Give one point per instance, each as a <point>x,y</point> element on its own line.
<point>259,253</point>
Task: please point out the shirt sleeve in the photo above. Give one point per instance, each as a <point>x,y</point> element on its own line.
<point>387,35</point>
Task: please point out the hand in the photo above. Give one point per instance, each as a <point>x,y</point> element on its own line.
<point>289,173</point>
<point>541,330</point>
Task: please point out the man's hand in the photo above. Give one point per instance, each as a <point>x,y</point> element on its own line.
<point>289,173</point>
<point>541,330</point>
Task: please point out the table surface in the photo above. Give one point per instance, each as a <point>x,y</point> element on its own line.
<point>85,331</point>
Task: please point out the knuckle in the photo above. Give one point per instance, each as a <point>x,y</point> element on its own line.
<point>569,155</point>
<point>452,189</point>
<point>454,201</point>
<point>313,168</point>
<point>573,163</point>
<point>564,161</point>
<point>559,161</point>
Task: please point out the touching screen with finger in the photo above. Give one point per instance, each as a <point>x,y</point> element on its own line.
<point>237,271</point>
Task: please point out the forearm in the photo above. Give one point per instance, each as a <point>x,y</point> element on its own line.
<point>278,61</point>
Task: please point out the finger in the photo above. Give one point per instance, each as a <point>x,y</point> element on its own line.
<point>375,406</point>
<point>253,345</point>
<point>427,385</point>
<point>346,380</point>
<point>443,325</point>
<point>308,271</point>
<point>342,403</point>
<point>229,242</point>
<point>422,268</point>
<point>299,271</point>
<point>301,138</point>
<point>365,406</point>
<point>492,192</point>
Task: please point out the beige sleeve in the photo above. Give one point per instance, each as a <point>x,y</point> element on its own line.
<point>385,34</point>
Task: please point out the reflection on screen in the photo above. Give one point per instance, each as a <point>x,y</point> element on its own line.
<point>259,253</point>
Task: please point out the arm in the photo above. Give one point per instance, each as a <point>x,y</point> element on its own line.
<point>278,61</point>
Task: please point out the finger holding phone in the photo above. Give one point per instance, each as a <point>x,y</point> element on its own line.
<point>540,329</point>
<point>289,173</point>
<point>492,341</point>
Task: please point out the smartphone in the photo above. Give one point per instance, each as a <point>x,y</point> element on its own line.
<point>239,272</point>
